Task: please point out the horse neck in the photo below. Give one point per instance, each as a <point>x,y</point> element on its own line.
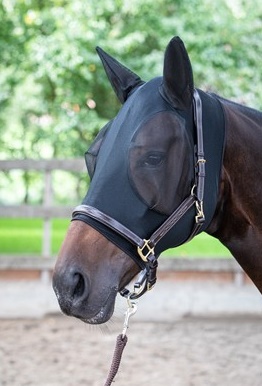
<point>238,221</point>
<point>239,195</point>
<point>243,148</point>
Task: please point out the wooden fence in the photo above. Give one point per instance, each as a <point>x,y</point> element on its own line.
<point>33,267</point>
<point>47,211</point>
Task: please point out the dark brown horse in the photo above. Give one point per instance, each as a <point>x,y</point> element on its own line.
<point>174,162</point>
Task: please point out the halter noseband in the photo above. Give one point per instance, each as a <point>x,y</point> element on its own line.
<point>146,258</point>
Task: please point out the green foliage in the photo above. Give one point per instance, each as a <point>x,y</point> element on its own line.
<point>54,95</point>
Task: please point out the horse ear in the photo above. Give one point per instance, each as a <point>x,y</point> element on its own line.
<point>121,78</point>
<point>178,84</point>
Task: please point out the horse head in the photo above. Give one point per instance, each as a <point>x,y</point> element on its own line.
<point>142,166</point>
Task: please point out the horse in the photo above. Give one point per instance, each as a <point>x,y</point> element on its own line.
<point>175,161</point>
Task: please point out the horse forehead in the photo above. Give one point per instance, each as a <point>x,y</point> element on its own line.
<point>159,128</point>
<point>145,112</point>
<point>144,102</point>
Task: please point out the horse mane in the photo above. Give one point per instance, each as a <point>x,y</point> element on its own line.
<point>249,111</point>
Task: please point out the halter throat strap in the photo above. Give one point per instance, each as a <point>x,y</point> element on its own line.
<point>146,258</point>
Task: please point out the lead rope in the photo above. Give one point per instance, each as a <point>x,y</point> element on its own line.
<point>121,342</point>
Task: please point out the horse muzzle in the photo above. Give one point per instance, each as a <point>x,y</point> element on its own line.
<point>76,298</point>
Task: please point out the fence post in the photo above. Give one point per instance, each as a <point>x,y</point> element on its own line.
<point>47,222</point>
<point>48,200</point>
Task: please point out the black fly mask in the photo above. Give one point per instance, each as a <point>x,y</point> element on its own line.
<point>144,163</point>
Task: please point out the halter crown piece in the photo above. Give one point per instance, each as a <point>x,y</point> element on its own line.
<point>145,256</point>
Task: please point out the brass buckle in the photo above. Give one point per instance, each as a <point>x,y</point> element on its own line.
<point>145,250</point>
<point>201,160</point>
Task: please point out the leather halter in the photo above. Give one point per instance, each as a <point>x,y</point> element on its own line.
<point>145,247</point>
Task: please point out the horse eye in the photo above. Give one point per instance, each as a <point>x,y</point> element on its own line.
<point>152,159</point>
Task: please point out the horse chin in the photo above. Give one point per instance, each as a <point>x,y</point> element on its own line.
<point>101,317</point>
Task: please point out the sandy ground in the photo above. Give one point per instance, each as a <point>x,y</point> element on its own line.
<point>57,350</point>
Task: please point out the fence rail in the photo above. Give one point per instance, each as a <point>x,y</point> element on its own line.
<point>71,165</point>
<point>35,211</point>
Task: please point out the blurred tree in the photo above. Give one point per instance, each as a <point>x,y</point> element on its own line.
<point>54,95</point>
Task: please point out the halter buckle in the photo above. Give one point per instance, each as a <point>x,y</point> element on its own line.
<point>146,250</point>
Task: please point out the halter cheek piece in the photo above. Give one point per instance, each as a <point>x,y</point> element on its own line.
<point>145,248</point>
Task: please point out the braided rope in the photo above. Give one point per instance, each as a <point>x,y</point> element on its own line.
<point>121,341</point>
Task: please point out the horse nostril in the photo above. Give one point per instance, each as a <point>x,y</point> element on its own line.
<point>72,289</point>
<point>80,286</point>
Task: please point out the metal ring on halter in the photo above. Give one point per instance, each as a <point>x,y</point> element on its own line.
<point>140,287</point>
<point>192,190</point>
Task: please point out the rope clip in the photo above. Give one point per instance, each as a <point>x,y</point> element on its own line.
<point>131,310</point>
<point>200,216</point>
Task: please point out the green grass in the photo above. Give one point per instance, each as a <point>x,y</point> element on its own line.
<point>202,245</point>
<point>20,236</point>
<point>24,236</point>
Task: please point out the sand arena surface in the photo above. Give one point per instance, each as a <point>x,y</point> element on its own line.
<point>57,350</point>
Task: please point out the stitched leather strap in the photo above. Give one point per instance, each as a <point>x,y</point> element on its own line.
<point>127,233</point>
<point>172,220</point>
<point>109,222</point>
<point>200,147</point>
